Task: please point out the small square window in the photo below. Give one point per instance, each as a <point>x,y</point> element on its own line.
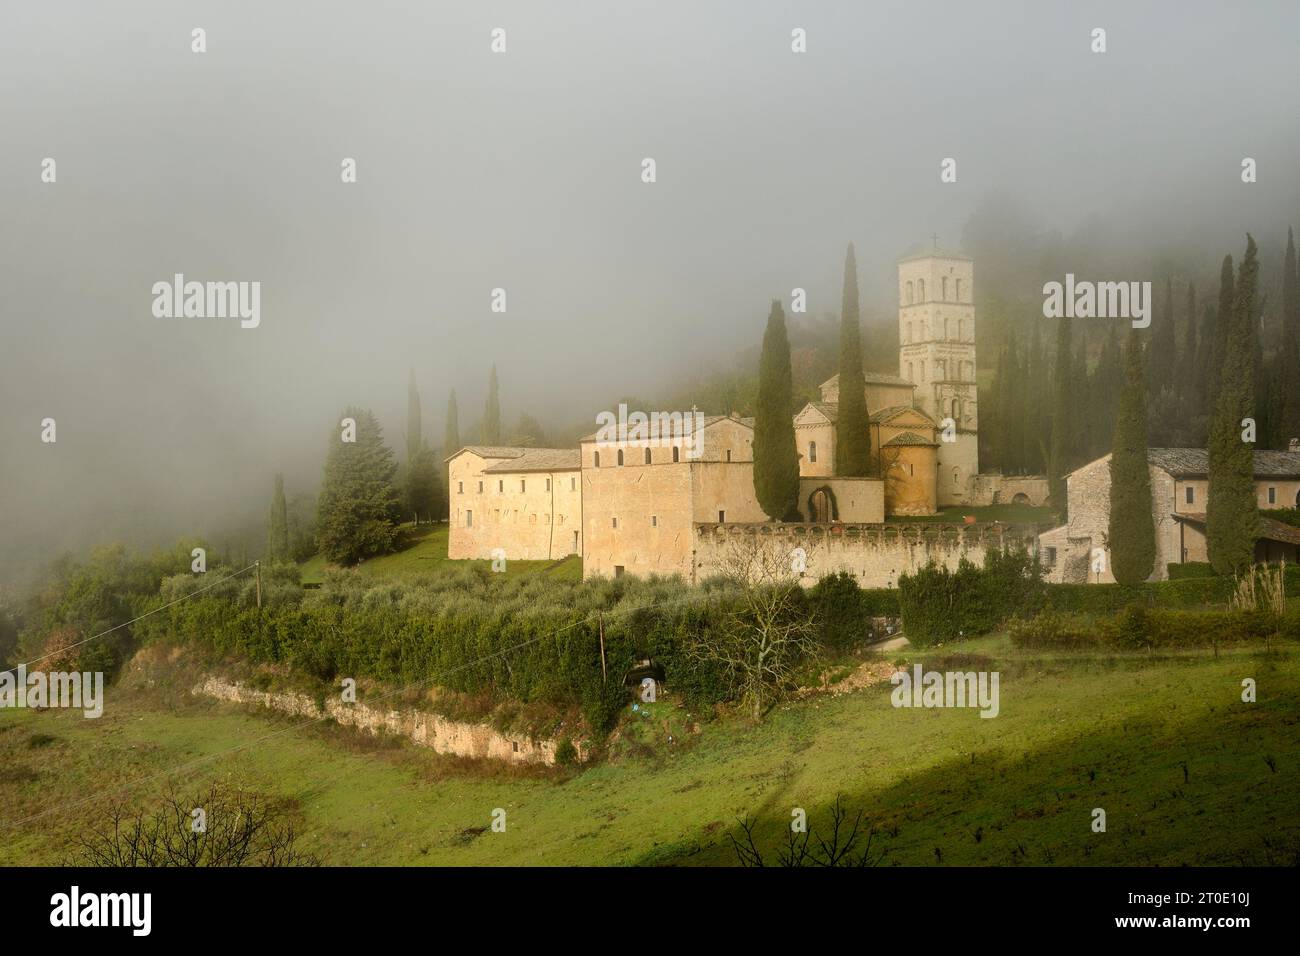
<point>722,517</point>
<point>548,484</point>
<point>480,487</point>
<point>1191,495</point>
<point>1272,496</point>
<point>615,524</point>
<point>522,485</point>
<point>460,487</point>
<point>654,521</point>
<point>501,487</point>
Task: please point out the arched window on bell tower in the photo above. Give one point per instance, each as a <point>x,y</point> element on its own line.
<point>958,290</point>
<point>909,293</point>
<point>920,290</point>
<point>945,288</point>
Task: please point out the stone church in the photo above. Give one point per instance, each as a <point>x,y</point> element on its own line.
<point>654,504</point>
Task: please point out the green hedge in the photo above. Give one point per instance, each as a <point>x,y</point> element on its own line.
<point>1138,627</point>
<point>1190,569</point>
<point>937,604</point>
<point>1189,592</point>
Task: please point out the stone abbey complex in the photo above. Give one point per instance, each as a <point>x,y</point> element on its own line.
<point>668,494</point>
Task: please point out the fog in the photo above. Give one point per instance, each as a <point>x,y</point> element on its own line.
<point>522,171</point>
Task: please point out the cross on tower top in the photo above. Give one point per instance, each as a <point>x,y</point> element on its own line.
<point>935,237</point>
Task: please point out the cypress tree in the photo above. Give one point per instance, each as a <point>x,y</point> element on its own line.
<point>1104,389</point>
<point>1037,425</point>
<point>1287,418</point>
<point>1232,513</point>
<point>359,505</point>
<point>852,430</point>
<point>423,491</point>
<point>1083,425</point>
<point>1000,440</point>
<point>1187,357</point>
<point>1017,370</point>
<point>450,445</point>
<point>776,458</point>
<point>414,430</point>
<point>1222,323</point>
<point>1131,534</point>
<point>1163,344</point>
<point>492,413</point>
<point>1058,464</point>
<point>277,538</point>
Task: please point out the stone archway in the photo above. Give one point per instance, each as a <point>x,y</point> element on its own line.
<point>822,507</point>
<point>1020,499</point>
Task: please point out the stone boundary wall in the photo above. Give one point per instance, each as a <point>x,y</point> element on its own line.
<point>445,736</point>
<point>875,554</point>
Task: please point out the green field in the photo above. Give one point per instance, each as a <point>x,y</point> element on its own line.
<point>425,550</point>
<point>1187,772</point>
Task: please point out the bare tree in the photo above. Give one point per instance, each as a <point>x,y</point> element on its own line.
<point>847,844</point>
<point>224,826</point>
<point>769,633</point>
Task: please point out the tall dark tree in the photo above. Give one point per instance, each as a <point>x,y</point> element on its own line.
<point>1286,424</point>
<point>492,413</point>
<point>1163,344</point>
<point>529,433</point>
<point>1083,424</point>
<point>277,537</point>
<point>1104,387</point>
<point>1232,513</point>
<point>1036,406</point>
<point>776,458</point>
<point>450,445</point>
<point>1058,459</point>
<point>359,506</point>
<point>1222,324</point>
<point>852,429</point>
<point>414,430</point>
<point>1188,385</point>
<point>423,490</point>
<point>1131,534</point>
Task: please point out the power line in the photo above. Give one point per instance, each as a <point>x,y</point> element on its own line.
<point>118,627</point>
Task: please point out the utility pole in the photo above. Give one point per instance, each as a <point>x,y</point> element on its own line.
<point>257,565</point>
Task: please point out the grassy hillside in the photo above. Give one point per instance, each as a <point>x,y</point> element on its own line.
<point>425,551</point>
<point>1187,773</point>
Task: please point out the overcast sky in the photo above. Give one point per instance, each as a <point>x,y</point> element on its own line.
<point>522,170</point>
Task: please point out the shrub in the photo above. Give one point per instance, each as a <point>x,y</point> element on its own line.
<point>940,605</point>
<point>565,753</point>
<point>1191,569</point>
<point>839,607</point>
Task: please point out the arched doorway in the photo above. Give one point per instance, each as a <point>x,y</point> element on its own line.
<point>1020,499</point>
<point>822,507</point>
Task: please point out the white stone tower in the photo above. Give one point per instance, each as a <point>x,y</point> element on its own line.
<point>936,334</point>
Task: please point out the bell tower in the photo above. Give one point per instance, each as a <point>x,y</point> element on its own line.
<point>936,335</point>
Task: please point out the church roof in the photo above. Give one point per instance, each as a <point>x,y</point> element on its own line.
<point>872,378</point>
<point>883,415</point>
<point>910,438</point>
<point>490,451</point>
<point>1195,462</point>
<point>539,459</point>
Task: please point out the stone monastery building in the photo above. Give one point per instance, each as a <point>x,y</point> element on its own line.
<point>653,503</point>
